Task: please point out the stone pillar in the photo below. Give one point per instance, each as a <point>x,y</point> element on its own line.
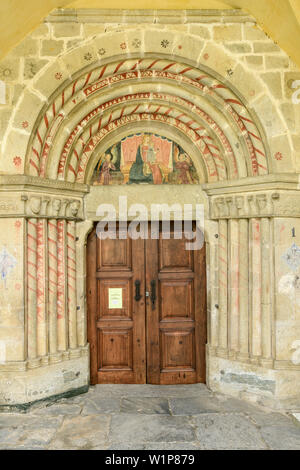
<point>62,322</point>
<point>52,288</point>
<point>233,271</point>
<point>32,290</point>
<point>266,316</point>
<point>223,283</point>
<point>255,320</point>
<point>42,294</point>
<point>82,231</point>
<point>72,304</point>
<point>244,289</point>
<point>214,286</point>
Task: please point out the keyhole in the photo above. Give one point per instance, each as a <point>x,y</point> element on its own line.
<point>293,232</point>
<point>180,342</point>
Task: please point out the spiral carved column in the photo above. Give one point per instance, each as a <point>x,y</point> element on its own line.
<point>42,294</point>
<point>52,287</point>
<point>32,288</point>
<point>72,301</point>
<point>62,320</point>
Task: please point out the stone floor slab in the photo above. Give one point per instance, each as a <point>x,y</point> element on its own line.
<point>82,432</point>
<point>104,404</point>
<point>195,405</point>
<point>152,428</point>
<point>227,431</point>
<point>59,409</point>
<point>281,437</point>
<point>145,405</point>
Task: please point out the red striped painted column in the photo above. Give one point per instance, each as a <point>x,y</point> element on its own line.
<point>244,289</point>
<point>72,303</point>
<point>62,327</point>
<point>32,288</point>
<point>42,330</point>
<point>255,283</point>
<point>233,288</point>
<point>52,287</point>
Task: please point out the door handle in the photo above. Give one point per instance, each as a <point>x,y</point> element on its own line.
<point>137,296</point>
<point>153,294</point>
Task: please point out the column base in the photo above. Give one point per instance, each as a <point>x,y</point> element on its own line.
<point>19,389</point>
<point>266,386</point>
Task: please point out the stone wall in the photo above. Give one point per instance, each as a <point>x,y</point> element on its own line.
<point>223,90</point>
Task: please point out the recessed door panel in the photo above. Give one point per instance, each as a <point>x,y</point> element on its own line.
<point>115,299</point>
<point>115,349</point>
<point>176,297</point>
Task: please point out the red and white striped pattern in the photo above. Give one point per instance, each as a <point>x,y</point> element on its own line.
<point>72,304</point>
<point>32,288</point>
<point>52,287</point>
<point>62,333</point>
<point>133,70</point>
<point>42,342</point>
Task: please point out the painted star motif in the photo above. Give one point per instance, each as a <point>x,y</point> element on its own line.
<point>278,156</point>
<point>25,124</point>
<point>101,51</point>
<point>123,45</point>
<point>58,75</point>
<point>17,161</point>
<point>88,56</point>
<point>136,43</point>
<point>164,43</point>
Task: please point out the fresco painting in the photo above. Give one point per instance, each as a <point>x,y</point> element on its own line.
<point>145,158</point>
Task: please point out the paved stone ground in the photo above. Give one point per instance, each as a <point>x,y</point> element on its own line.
<point>121,417</point>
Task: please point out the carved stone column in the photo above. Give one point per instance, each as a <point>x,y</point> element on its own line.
<point>223,284</point>
<point>234,295</point>
<point>214,285</point>
<point>42,294</point>
<point>62,321</point>
<point>244,290</point>
<point>72,304</point>
<point>255,282</point>
<point>32,289</point>
<point>52,288</point>
<point>266,316</point>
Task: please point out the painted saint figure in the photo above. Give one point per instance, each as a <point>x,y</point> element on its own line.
<point>145,169</point>
<point>105,166</point>
<point>183,165</point>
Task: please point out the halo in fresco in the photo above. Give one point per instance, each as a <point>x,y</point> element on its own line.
<point>144,158</point>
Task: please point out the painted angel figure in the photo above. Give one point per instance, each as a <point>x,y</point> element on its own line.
<point>7,263</point>
<point>106,164</point>
<point>183,165</point>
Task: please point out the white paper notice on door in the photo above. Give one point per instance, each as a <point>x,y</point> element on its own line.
<point>115,298</point>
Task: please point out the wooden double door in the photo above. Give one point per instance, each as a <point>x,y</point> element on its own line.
<point>146,310</point>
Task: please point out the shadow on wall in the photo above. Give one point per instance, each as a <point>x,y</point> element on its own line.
<point>2,92</point>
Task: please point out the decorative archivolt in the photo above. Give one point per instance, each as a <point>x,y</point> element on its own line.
<point>172,95</point>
